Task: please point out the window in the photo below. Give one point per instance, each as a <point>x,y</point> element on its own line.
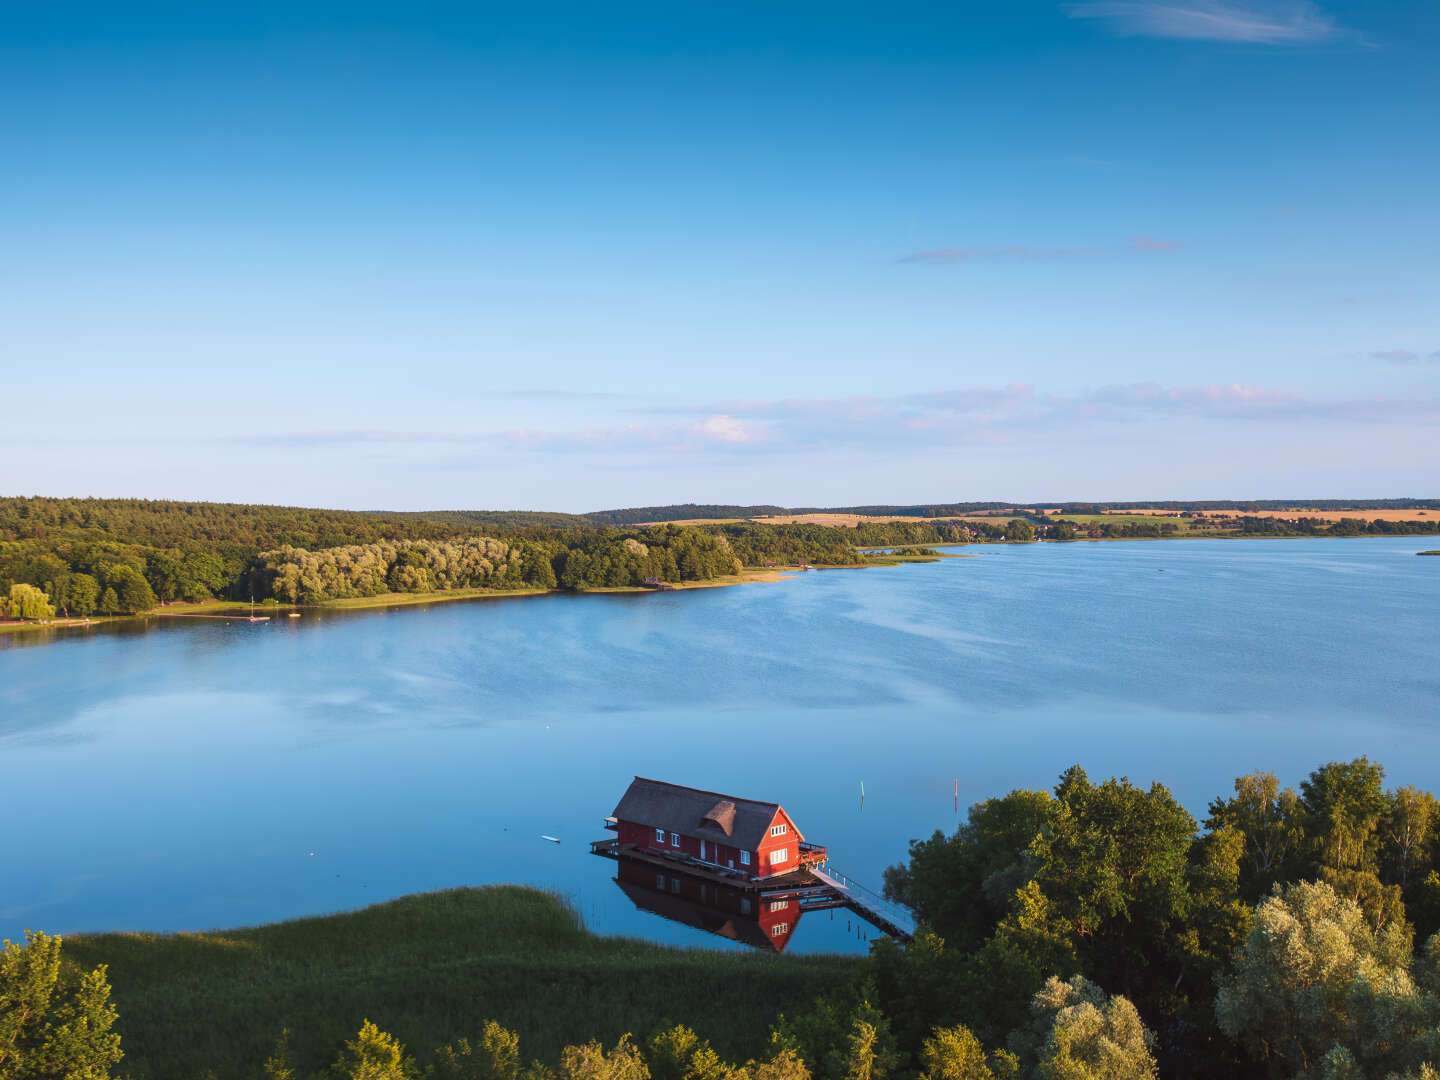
<point>744,906</point>
<point>674,884</point>
<point>659,836</point>
<point>744,858</point>
<point>674,839</point>
<point>779,830</point>
<point>780,905</point>
<point>779,928</point>
<point>659,881</point>
<point>779,856</point>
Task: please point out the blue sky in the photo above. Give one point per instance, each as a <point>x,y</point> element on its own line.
<point>574,256</point>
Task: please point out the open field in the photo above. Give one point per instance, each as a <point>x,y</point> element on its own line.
<point>1295,512</point>
<point>429,969</point>
<point>1182,525</point>
<point>843,521</point>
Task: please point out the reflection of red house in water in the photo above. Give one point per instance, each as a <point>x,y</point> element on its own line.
<point>736,867</point>
<point>754,839</point>
<point>738,914</point>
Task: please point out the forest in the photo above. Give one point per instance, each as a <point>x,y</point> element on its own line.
<point>1095,931</point>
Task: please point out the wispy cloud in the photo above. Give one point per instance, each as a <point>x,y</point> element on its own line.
<point>715,431</point>
<point>953,255</point>
<point>946,256</point>
<point>971,416</point>
<point>351,437</point>
<point>1149,243</point>
<point>1294,23</point>
<point>1405,356</point>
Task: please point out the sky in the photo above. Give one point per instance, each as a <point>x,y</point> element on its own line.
<point>574,256</point>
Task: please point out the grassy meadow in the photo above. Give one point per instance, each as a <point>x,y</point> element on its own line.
<point>429,968</point>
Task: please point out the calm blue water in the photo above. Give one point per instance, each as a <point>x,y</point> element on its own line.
<point>182,777</point>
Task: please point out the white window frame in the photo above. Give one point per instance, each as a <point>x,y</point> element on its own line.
<point>744,858</point>
<point>660,881</point>
<point>674,839</point>
<point>780,905</point>
<point>779,855</point>
<point>779,928</point>
<point>659,836</point>
<point>779,830</point>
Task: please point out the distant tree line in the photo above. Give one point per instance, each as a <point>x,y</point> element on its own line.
<point>122,556</point>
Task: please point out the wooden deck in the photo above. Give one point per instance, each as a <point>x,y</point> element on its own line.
<point>815,885</point>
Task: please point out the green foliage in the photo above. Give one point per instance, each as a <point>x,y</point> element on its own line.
<point>954,1053</point>
<point>1313,974</point>
<point>677,1053</point>
<point>1078,1033</point>
<point>374,1055</point>
<point>26,602</point>
<point>429,968</point>
<point>841,1035</point>
<point>591,1062</point>
<point>1272,823</point>
<point>280,1065</point>
<point>54,1024</point>
<point>82,595</point>
<point>496,1056</point>
<point>1019,529</point>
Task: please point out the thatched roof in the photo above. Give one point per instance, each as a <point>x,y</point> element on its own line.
<point>705,815</point>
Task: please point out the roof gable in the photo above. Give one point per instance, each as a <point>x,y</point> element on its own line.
<point>706,815</point>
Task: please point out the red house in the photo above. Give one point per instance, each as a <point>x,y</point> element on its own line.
<point>754,839</point>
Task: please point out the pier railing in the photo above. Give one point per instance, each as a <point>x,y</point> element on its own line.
<point>888,916</point>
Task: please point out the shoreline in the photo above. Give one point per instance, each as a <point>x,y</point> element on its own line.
<point>241,610</point>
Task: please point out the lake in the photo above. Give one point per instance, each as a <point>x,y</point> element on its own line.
<point>196,774</point>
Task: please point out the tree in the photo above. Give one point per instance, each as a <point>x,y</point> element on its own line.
<point>280,1065</point>
<point>1272,823</point>
<point>1113,864</point>
<point>1344,807</point>
<point>1077,1033</point>
<point>83,594</point>
<point>1410,818</point>
<point>1019,529</point>
<point>954,1053</point>
<point>53,1027</point>
<point>109,602</point>
<point>1312,974</point>
<point>677,1053</point>
<point>842,1035</point>
<point>1344,804</point>
<point>495,1057</point>
<point>28,602</point>
<point>374,1055</point>
<point>591,1062</point>
<point>132,591</point>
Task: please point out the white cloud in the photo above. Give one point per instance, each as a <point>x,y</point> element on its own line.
<point>1294,23</point>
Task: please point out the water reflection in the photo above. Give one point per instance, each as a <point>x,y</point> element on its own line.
<point>737,914</point>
